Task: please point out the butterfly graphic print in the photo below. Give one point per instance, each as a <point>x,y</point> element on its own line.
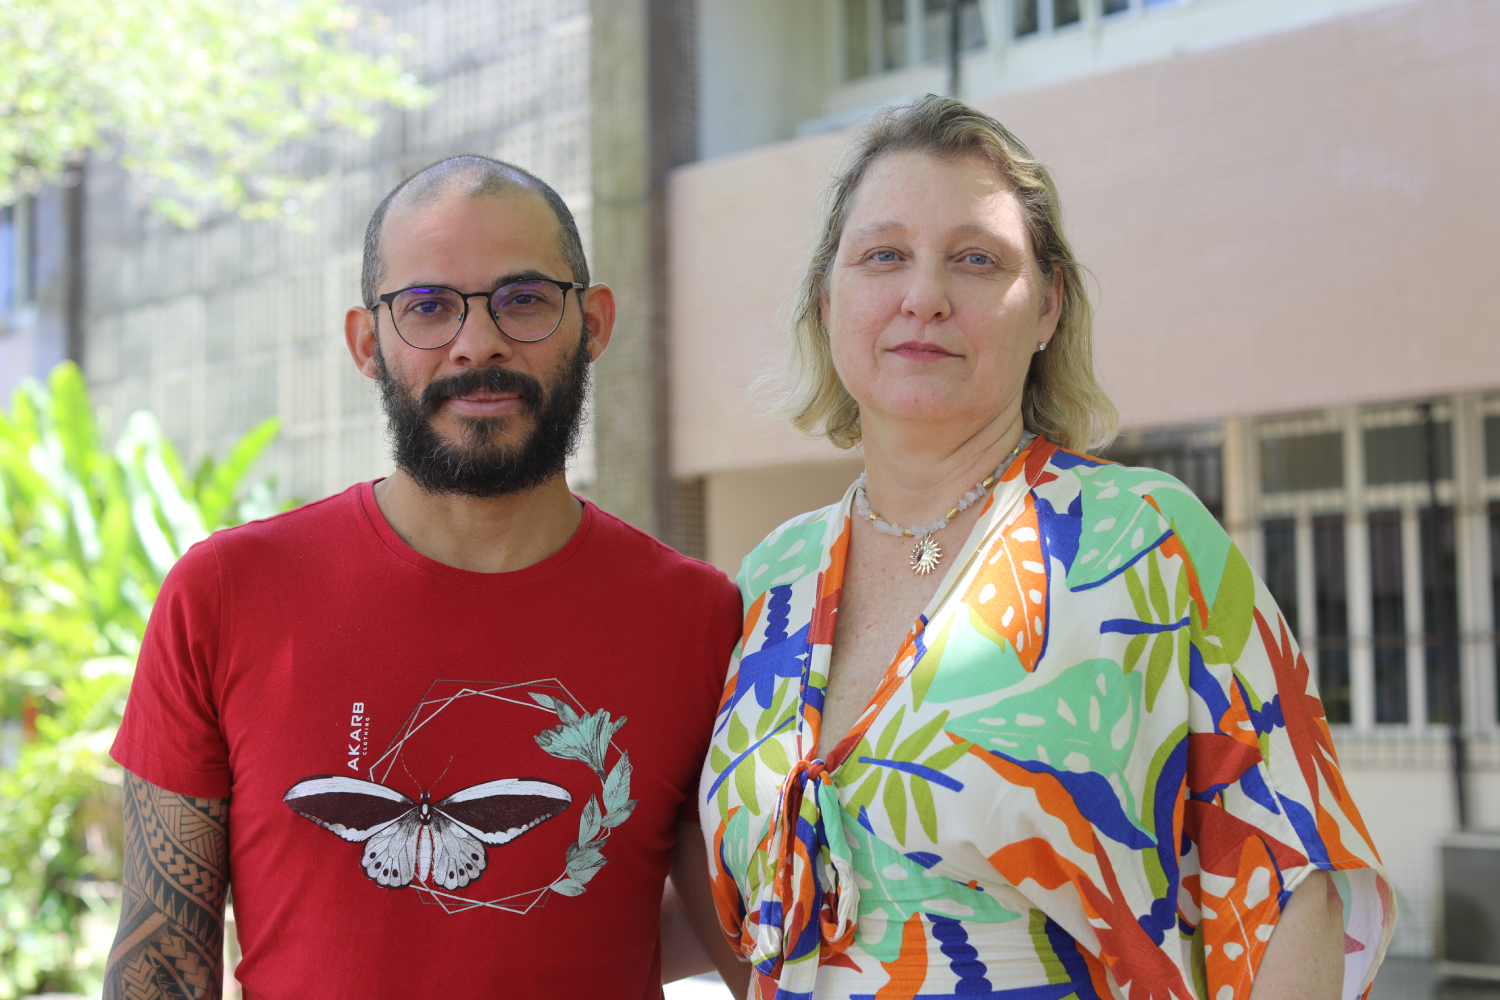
<point>440,841</point>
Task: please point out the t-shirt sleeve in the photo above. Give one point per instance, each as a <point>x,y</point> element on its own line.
<point>170,733</point>
<point>721,635</point>
<point>1266,804</point>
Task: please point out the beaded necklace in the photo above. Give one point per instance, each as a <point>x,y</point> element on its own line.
<point>926,554</point>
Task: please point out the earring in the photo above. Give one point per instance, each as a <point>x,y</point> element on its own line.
<point>1041,345</point>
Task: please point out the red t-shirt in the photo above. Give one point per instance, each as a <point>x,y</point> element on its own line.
<point>430,792</point>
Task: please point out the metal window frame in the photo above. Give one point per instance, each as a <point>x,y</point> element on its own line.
<point>1469,492</point>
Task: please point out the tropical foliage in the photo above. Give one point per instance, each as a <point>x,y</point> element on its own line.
<point>196,96</point>
<point>87,533</point>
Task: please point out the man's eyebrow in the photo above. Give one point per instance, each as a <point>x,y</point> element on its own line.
<point>530,274</point>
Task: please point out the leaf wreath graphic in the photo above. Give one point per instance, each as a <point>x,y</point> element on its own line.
<point>586,739</point>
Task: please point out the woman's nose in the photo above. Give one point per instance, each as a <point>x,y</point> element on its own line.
<point>927,297</point>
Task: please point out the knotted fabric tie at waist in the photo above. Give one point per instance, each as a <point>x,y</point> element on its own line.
<point>807,908</point>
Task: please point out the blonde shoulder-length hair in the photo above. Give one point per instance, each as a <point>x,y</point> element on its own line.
<point>1062,399</point>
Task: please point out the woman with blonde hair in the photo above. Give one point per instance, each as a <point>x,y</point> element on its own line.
<point>1009,720</point>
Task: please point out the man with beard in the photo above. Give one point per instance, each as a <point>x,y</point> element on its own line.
<point>439,731</point>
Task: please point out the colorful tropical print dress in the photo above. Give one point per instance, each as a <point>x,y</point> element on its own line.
<point>1097,768</point>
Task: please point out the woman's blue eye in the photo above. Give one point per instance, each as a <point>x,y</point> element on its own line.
<point>978,259</point>
<point>884,256</point>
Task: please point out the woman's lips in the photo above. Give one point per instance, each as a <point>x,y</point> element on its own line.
<point>916,350</point>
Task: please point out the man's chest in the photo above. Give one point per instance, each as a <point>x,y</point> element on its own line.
<point>463,772</point>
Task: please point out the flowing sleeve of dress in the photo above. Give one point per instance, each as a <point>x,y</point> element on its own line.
<point>1219,751</point>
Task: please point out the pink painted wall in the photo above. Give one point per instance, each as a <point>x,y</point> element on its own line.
<point>1308,219</point>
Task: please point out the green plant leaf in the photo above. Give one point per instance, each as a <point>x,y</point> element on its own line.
<point>947,756</point>
<point>744,784</point>
<point>1156,669</point>
<point>774,756</point>
<point>894,800</point>
<point>888,734</point>
<point>768,717</point>
<point>850,771</point>
<point>84,544</point>
<point>864,794</point>
<point>620,813</point>
<point>738,737</point>
<point>1158,589</point>
<point>908,748</point>
<point>926,669</point>
<point>569,886</point>
<point>218,484</point>
<point>921,800</point>
<point>617,785</point>
<point>588,825</point>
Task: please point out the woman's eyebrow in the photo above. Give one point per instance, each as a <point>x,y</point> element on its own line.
<point>965,231</point>
<point>872,229</point>
<point>976,229</point>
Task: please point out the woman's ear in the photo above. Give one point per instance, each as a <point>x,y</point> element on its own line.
<point>1051,308</point>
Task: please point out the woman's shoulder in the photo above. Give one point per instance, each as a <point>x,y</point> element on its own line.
<point>791,551</point>
<point>1103,516</point>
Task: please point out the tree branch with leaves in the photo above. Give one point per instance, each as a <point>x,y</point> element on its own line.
<point>198,98</point>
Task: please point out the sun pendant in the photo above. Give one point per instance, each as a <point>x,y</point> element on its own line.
<point>925,556</point>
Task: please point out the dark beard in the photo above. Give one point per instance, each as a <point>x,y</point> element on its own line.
<point>482,464</point>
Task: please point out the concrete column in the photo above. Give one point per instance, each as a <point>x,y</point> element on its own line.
<point>1411,587</point>
<point>1307,591</point>
<point>1240,488</point>
<point>644,95</point>
<point>1471,540</point>
<point>1357,577</point>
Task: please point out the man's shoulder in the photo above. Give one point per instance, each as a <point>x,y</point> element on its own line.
<point>648,559</point>
<point>310,525</point>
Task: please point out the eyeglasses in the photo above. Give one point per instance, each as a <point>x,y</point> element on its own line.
<point>429,316</point>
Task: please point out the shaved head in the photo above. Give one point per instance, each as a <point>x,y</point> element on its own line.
<point>468,176</point>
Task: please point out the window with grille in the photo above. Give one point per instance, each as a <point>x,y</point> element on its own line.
<point>885,35</point>
<point>1360,528</point>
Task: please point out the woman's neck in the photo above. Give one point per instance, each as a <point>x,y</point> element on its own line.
<point>916,474</point>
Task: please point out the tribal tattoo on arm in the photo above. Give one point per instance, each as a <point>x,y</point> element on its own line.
<point>170,945</point>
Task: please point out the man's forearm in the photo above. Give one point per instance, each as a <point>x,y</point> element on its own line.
<point>171,938</point>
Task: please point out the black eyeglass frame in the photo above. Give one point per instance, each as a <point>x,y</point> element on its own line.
<point>389,297</point>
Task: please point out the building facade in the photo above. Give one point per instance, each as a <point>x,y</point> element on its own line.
<point>216,328</point>
<point>1285,207</point>
<point>1285,204</point>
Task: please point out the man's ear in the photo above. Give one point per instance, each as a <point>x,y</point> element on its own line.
<point>359,334</point>
<point>599,314</point>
